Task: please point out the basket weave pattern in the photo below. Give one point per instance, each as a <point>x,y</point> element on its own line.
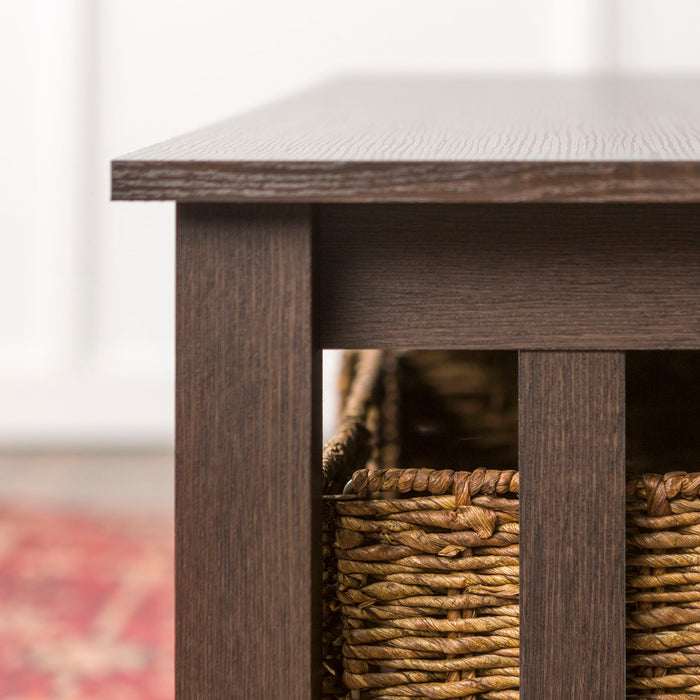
<point>663,586</point>
<point>428,582</point>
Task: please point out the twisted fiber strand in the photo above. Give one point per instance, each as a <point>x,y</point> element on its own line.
<point>349,449</point>
<point>658,489</point>
<point>420,564</point>
<point>464,485</point>
<point>446,502</point>
<point>351,445</point>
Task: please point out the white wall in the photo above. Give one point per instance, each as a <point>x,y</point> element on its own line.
<point>86,286</point>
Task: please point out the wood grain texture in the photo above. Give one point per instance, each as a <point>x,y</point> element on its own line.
<point>527,276</point>
<point>248,454</point>
<point>572,526</point>
<point>440,139</point>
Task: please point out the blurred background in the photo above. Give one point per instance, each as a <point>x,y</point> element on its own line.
<point>86,356</point>
<point>87,286</point>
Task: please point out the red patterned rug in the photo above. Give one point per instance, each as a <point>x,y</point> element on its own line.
<point>86,607</point>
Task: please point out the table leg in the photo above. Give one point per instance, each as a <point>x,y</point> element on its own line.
<point>572,539</point>
<point>247,456</point>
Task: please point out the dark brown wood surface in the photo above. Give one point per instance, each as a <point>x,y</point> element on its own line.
<point>248,454</point>
<point>527,276</point>
<point>572,526</point>
<point>440,139</point>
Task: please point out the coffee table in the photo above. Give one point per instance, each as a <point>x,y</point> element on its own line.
<point>559,218</point>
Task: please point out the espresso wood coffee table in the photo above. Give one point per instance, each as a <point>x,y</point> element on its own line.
<point>558,218</point>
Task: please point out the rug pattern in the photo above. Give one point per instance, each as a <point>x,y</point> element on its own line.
<point>86,606</point>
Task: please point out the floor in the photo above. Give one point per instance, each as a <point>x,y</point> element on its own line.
<point>86,576</point>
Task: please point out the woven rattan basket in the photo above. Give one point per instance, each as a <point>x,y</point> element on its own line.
<point>421,570</point>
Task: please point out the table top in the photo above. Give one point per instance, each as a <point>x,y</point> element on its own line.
<point>440,139</point>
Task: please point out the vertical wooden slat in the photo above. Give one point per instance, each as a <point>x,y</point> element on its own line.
<point>248,485</point>
<point>572,542</point>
